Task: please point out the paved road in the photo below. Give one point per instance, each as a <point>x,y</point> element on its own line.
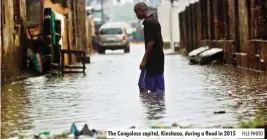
<point>107,97</point>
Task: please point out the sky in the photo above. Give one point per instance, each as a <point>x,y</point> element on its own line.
<point>115,10</point>
<point>181,3</point>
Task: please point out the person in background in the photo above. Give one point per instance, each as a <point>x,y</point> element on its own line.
<point>96,40</point>
<point>134,34</point>
<point>152,65</point>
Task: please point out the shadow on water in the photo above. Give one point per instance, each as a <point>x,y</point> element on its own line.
<point>155,105</point>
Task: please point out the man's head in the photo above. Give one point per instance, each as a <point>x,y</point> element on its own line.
<point>141,10</point>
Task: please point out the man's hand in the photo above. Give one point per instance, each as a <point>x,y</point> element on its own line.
<point>148,50</point>
<point>142,65</point>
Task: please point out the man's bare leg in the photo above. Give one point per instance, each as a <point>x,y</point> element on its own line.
<point>143,91</point>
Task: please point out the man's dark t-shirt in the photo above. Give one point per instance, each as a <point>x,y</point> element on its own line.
<point>152,32</point>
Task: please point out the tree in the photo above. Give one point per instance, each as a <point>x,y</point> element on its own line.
<point>172,1</point>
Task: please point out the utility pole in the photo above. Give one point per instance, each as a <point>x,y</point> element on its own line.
<point>171,13</point>
<point>102,10</point>
<point>171,41</point>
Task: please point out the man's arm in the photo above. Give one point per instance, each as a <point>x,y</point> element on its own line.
<point>148,50</point>
<point>147,53</point>
<point>150,32</point>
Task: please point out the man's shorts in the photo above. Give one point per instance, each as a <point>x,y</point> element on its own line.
<point>152,82</point>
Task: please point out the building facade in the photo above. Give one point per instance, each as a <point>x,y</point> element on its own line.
<point>18,15</point>
<point>237,26</point>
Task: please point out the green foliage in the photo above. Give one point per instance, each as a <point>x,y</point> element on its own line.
<point>258,121</point>
<point>166,45</point>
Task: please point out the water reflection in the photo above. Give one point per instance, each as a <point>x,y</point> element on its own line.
<point>155,105</point>
<point>52,103</point>
<point>14,118</point>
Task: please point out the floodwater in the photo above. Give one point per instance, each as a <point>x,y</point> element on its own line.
<point>107,96</point>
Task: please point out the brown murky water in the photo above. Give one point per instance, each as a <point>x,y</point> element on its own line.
<point>107,96</point>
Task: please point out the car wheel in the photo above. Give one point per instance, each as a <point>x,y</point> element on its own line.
<point>127,49</point>
<point>102,51</point>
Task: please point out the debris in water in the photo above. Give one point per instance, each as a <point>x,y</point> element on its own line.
<point>230,93</point>
<point>219,112</point>
<point>228,127</point>
<point>239,103</point>
<point>45,133</point>
<point>218,126</point>
<point>86,131</point>
<point>74,130</point>
<point>159,126</point>
<point>175,125</point>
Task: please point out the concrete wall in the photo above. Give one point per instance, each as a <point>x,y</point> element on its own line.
<point>237,26</point>
<point>164,20</point>
<point>13,33</point>
<point>175,25</point>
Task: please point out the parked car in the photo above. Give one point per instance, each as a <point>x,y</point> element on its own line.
<point>113,36</point>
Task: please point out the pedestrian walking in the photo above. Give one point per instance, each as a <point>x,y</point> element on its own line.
<point>152,65</point>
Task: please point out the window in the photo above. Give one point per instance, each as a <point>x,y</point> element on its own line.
<point>111,31</point>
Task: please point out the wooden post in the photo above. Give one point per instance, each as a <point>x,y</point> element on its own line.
<point>84,55</point>
<point>62,62</point>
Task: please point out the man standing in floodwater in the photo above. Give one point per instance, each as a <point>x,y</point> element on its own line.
<point>152,65</point>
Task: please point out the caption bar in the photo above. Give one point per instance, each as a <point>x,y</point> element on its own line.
<point>186,133</point>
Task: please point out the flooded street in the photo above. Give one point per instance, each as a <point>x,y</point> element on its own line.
<point>108,96</point>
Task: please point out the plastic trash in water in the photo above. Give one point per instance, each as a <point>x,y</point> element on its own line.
<point>155,127</point>
<point>74,131</point>
<point>45,133</point>
<point>159,126</point>
<point>61,135</point>
<point>230,93</point>
<point>71,136</point>
<point>167,127</point>
<point>175,125</point>
<point>219,112</point>
<point>86,131</point>
<point>132,127</point>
